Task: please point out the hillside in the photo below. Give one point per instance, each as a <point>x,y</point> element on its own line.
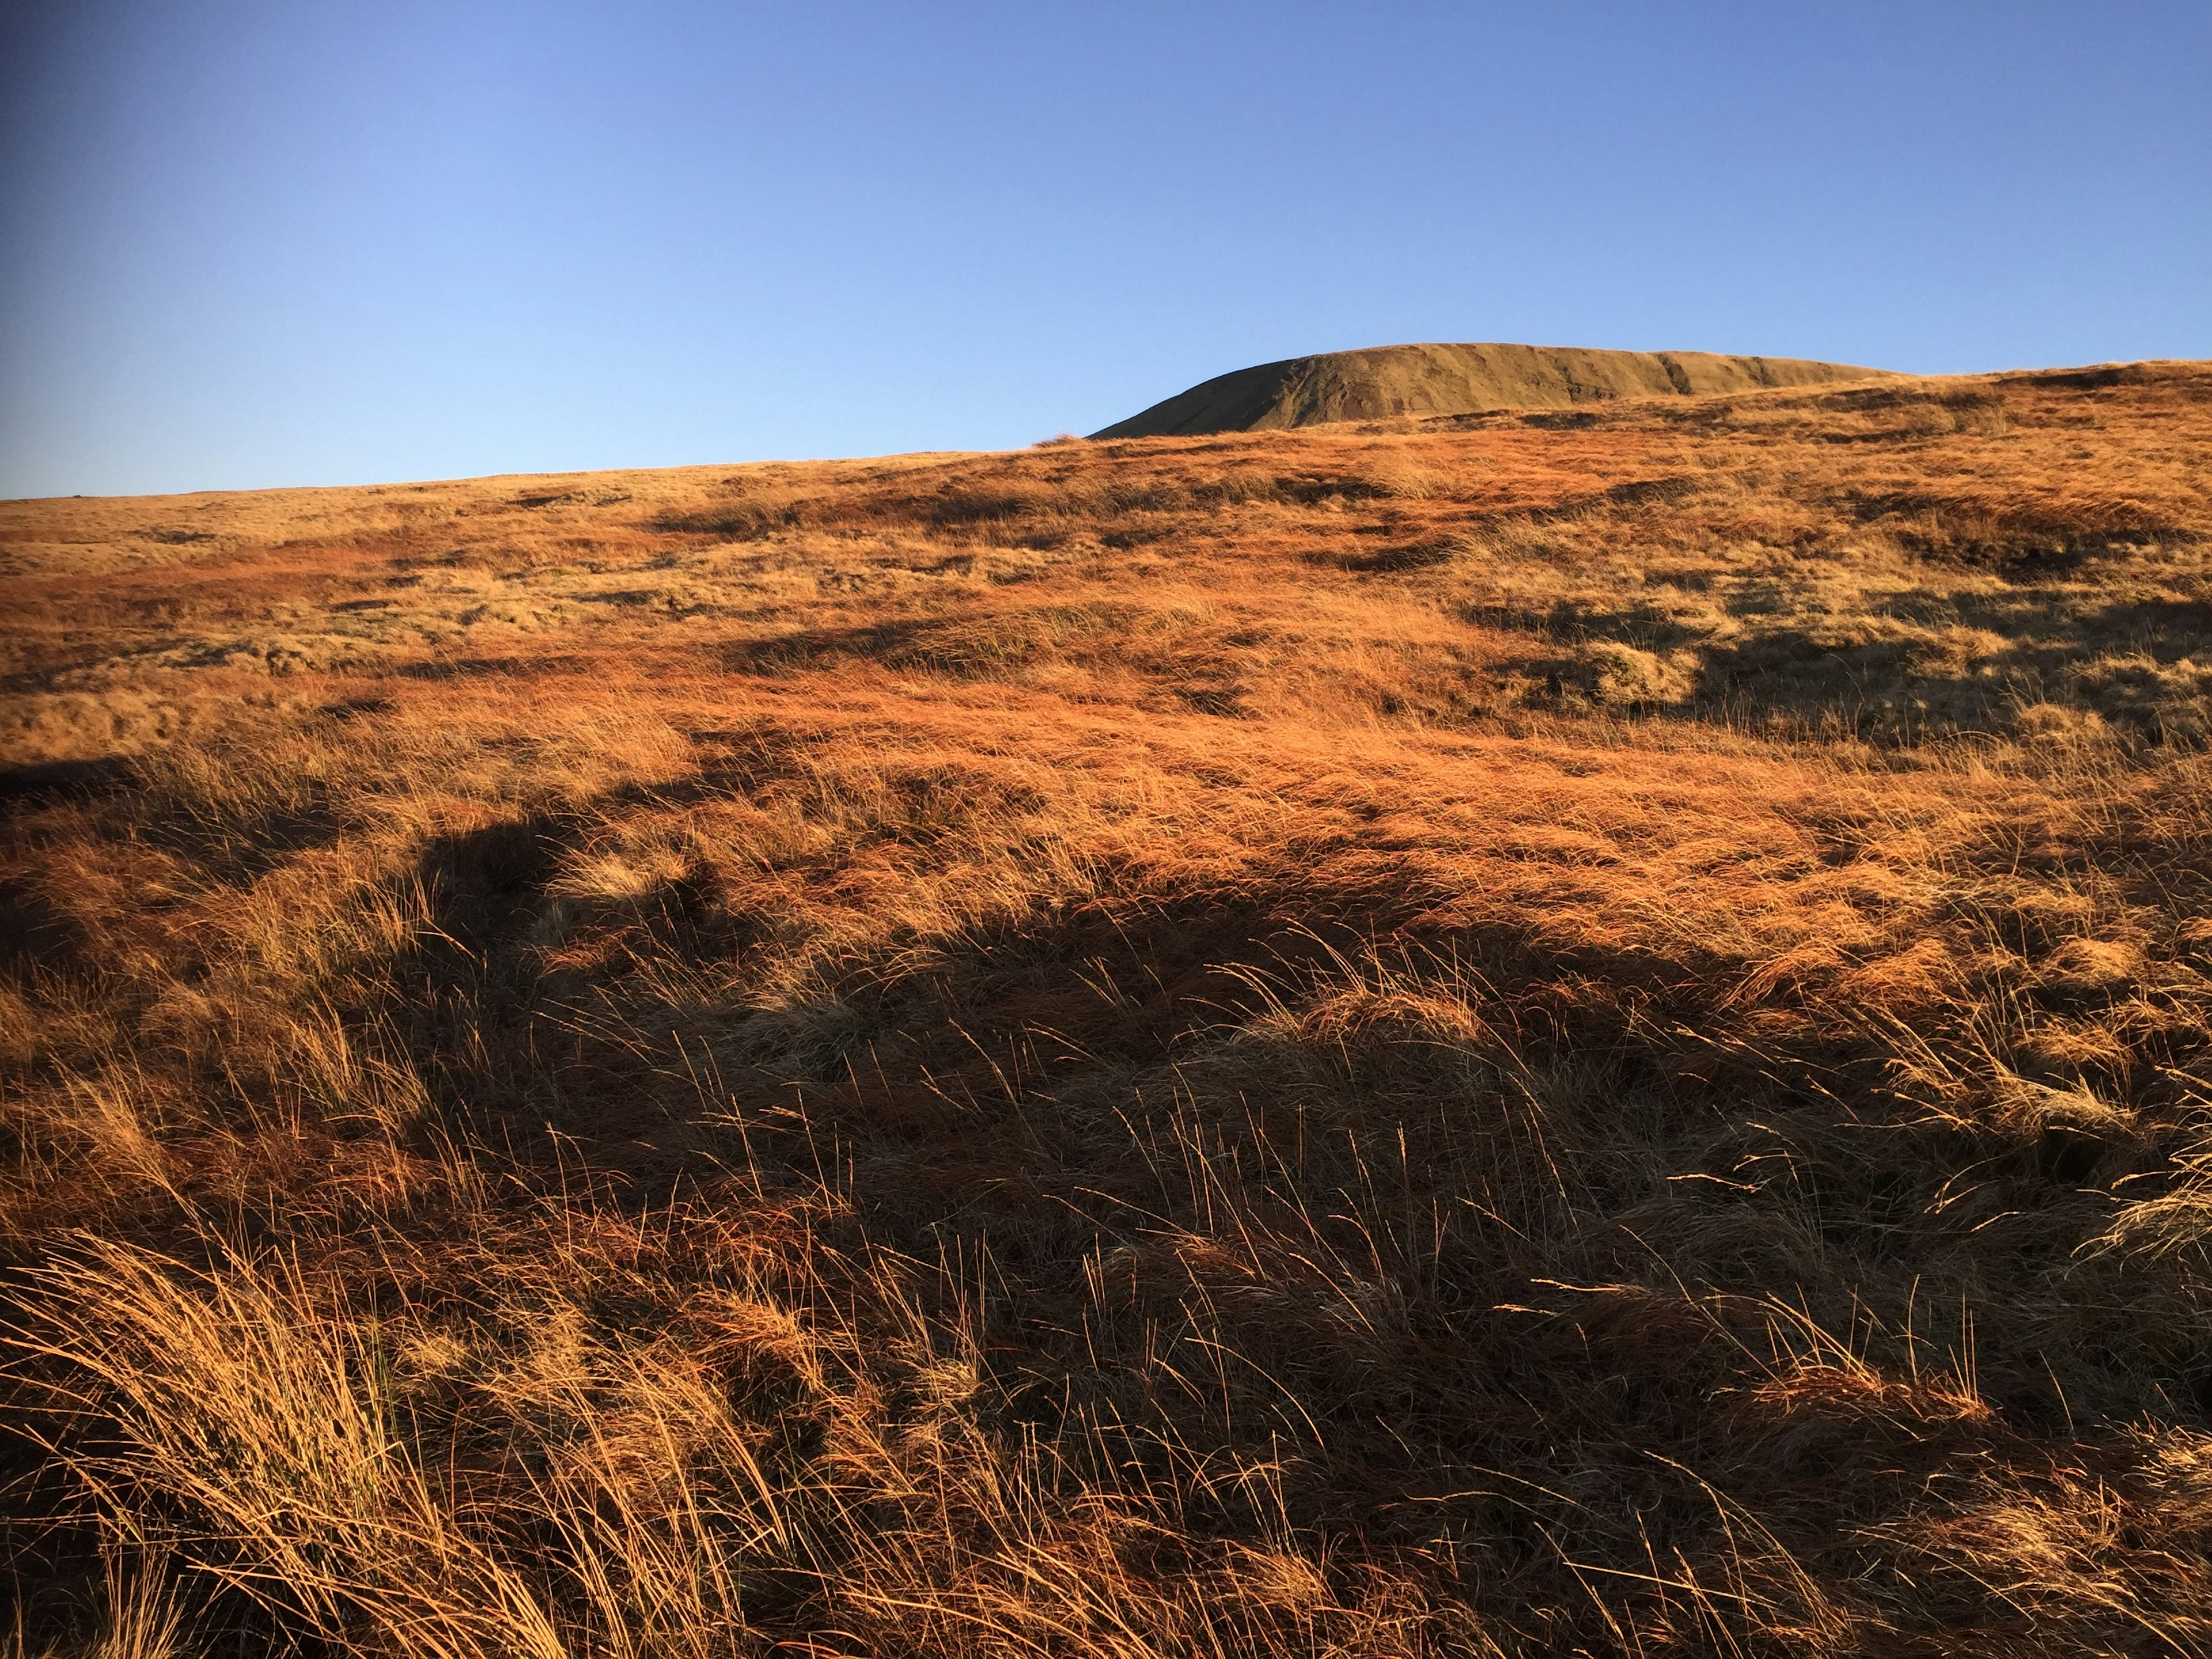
<point>1458,379</point>
<point>1564,1032</point>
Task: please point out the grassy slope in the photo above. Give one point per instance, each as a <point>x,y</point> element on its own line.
<point>1569,1033</point>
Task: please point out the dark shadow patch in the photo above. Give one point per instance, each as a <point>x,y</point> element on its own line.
<point>1639,492</point>
<point>460,668</point>
<point>2098,378</point>
<point>1571,622</point>
<point>818,648</point>
<point>738,521</point>
<point>2067,1156</point>
<point>42,779</point>
<point>236,836</point>
<point>1226,701</point>
<point>1865,689</point>
<point>484,882</point>
<point>1133,536</point>
<point>1411,555</point>
<point>33,932</point>
<point>471,668</point>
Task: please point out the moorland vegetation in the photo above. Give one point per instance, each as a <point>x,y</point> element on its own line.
<point>1536,1033</point>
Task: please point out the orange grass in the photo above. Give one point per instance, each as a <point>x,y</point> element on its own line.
<point>1499,1035</point>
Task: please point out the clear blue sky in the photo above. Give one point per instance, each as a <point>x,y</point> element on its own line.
<point>253,244</point>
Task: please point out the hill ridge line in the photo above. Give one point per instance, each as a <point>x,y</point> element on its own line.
<point>1438,378</point>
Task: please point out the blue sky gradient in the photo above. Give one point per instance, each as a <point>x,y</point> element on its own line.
<point>246,245</point>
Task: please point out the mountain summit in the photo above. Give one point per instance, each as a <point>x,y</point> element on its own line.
<point>1457,380</point>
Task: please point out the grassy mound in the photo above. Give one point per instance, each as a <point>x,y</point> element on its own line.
<point>1459,379</point>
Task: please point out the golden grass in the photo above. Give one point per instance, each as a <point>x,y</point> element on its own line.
<point>1576,1033</point>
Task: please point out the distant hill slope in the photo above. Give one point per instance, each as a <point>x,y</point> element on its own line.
<point>1457,380</point>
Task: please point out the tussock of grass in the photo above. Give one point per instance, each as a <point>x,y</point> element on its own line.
<point>1497,1036</point>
